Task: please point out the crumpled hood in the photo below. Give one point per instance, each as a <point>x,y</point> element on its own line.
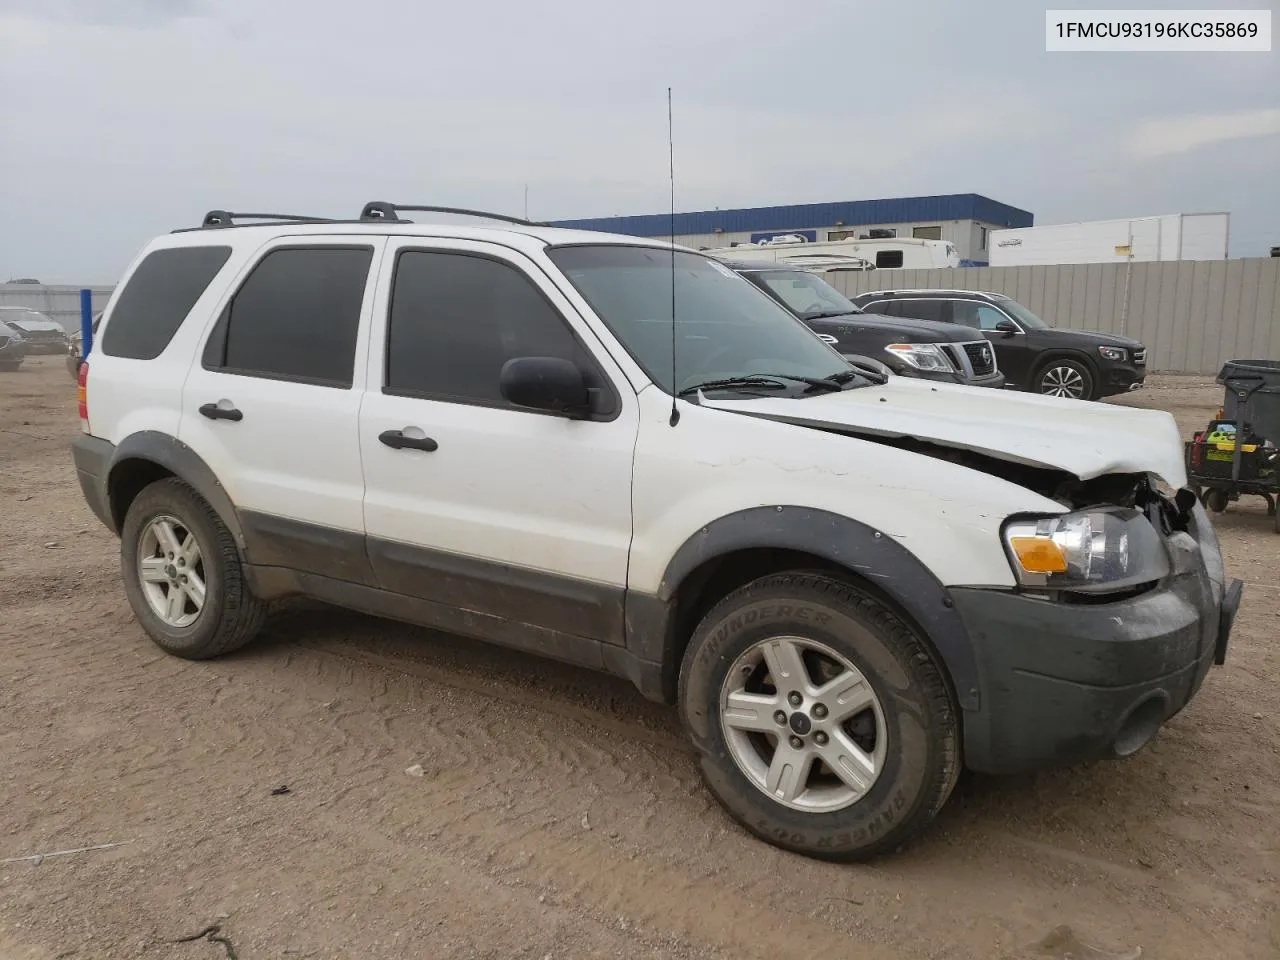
<point>1084,438</point>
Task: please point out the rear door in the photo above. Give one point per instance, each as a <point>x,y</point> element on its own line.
<point>272,402</point>
<point>519,517</point>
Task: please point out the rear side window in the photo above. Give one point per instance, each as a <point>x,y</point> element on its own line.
<point>920,309</point>
<point>888,259</point>
<point>157,298</point>
<point>296,317</point>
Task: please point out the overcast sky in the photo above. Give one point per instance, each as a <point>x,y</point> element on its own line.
<point>122,119</point>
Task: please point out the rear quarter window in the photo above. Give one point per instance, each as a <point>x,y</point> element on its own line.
<point>157,298</point>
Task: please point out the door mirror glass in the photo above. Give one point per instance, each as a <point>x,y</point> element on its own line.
<point>545,383</point>
<point>1007,327</point>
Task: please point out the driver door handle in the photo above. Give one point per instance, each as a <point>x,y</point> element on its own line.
<point>396,440</point>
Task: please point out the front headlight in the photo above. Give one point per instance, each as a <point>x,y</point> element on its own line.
<point>1093,551</point>
<point>922,356</point>
<point>1114,354</point>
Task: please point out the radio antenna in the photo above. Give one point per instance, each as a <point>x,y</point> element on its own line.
<point>671,166</point>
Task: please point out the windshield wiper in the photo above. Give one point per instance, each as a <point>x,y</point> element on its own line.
<point>752,380</point>
<point>861,370</point>
<point>823,314</point>
<point>772,380</point>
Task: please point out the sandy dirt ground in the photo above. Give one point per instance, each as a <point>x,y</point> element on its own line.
<point>558,814</point>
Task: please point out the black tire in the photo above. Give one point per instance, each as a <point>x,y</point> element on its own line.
<point>1062,369</point>
<point>922,752</point>
<point>1216,500</point>
<point>231,615</point>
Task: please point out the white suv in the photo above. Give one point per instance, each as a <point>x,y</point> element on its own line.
<point>850,587</point>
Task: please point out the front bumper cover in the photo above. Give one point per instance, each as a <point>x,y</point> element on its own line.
<point>1064,682</point>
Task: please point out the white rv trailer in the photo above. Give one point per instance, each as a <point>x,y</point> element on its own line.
<point>882,253</point>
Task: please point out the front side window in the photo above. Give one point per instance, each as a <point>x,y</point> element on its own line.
<point>723,326</point>
<point>971,313</point>
<point>1025,317</point>
<point>806,295</point>
<point>456,319</point>
<point>295,317</point>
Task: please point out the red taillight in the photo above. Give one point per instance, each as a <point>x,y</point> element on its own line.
<point>82,394</point>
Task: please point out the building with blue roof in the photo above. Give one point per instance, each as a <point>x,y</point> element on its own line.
<point>965,219</point>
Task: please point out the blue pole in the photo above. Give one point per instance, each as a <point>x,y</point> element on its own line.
<point>86,323</point>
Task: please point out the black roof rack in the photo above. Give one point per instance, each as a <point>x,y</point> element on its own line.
<point>224,218</point>
<point>382,210</point>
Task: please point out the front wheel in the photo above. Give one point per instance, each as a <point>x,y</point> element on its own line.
<point>823,723</point>
<point>1065,378</point>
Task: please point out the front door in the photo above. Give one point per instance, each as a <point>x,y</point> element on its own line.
<point>1014,353</point>
<point>521,519</point>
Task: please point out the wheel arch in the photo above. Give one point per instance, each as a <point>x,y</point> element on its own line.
<point>743,546</point>
<point>145,457</point>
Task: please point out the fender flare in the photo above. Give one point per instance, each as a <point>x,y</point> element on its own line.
<point>184,463</point>
<point>868,553</point>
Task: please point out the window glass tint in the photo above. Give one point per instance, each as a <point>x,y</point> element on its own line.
<point>296,317</point>
<point>455,320</point>
<point>920,309</point>
<point>974,314</point>
<point>888,259</point>
<point>157,298</point>
<point>927,233</point>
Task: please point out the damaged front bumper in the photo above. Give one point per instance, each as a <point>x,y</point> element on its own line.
<point>1065,682</point>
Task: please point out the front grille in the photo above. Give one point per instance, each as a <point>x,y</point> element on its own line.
<point>982,358</point>
<point>1140,357</point>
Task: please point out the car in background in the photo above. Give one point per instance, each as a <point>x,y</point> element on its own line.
<point>41,333</point>
<point>910,348</point>
<point>75,343</point>
<point>1035,357</point>
<point>13,347</point>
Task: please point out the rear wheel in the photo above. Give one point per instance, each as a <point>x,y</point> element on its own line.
<point>823,723</point>
<point>1065,378</point>
<point>1216,500</point>
<point>183,576</point>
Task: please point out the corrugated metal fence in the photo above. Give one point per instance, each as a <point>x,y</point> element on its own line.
<point>1192,315</point>
<point>57,303</point>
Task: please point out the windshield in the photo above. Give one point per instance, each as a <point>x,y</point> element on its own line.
<point>724,326</point>
<point>805,294</point>
<point>1023,315</point>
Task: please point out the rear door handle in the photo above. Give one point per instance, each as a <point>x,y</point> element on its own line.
<point>396,440</point>
<point>215,412</point>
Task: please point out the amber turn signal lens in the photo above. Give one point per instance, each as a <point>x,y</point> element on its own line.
<point>1038,555</point>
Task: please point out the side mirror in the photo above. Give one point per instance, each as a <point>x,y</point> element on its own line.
<point>1007,327</point>
<point>545,383</point>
